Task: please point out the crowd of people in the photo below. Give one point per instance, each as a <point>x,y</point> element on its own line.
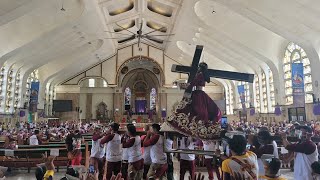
<point>245,151</point>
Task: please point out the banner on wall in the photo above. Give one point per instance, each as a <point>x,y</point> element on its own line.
<point>34,92</point>
<point>297,78</point>
<point>242,96</point>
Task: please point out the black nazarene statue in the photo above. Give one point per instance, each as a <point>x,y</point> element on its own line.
<point>197,114</point>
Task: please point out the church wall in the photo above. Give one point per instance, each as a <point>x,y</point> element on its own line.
<point>91,99</point>
<point>156,54</point>
<point>143,50</point>
<point>124,54</point>
<point>98,98</point>
<point>170,76</point>
<point>65,116</point>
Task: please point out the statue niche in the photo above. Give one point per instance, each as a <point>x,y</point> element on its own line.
<point>102,111</point>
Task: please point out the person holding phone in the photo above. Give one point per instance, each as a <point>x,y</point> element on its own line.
<point>97,151</point>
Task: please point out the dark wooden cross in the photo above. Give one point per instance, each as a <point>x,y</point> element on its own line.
<point>192,70</point>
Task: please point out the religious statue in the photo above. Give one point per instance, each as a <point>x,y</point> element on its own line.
<point>102,111</point>
<point>197,114</point>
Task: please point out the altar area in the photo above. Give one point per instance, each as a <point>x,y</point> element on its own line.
<point>135,84</point>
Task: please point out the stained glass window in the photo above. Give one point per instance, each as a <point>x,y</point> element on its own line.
<point>127,96</point>
<point>153,97</point>
<point>295,54</point>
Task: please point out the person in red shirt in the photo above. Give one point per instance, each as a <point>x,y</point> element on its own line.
<point>133,145</point>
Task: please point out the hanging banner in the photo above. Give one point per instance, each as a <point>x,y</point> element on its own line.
<point>297,78</point>
<point>277,110</point>
<point>242,96</point>
<point>34,96</point>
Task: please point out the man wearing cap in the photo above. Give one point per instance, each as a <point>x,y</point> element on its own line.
<point>113,151</point>
<point>306,153</point>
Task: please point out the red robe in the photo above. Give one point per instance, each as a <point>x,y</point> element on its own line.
<point>197,114</point>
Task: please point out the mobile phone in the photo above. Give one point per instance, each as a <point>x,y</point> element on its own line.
<point>91,169</point>
<point>224,122</point>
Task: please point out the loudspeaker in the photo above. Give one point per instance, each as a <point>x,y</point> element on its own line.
<point>127,107</point>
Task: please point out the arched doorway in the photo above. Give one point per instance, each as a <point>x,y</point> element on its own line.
<point>141,83</point>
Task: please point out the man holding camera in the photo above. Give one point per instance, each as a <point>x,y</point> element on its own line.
<point>306,153</point>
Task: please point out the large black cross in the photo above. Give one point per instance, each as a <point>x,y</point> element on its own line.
<point>192,70</point>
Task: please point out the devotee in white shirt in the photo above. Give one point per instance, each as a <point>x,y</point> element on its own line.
<point>113,151</point>
<point>33,140</point>
<point>187,161</point>
<point>306,153</point>
<point>146,154</point>
<point>135,160</point>
<point>168,146</point>
<point>97,150</point>
<point>158,156</point>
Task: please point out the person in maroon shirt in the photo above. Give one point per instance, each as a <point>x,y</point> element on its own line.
<point>135,167</point>
<point>305,145</point>
<point>110,167</point>
<point>305,152</point>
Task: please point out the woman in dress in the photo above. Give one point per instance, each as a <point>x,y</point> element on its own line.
<point>197,114</point>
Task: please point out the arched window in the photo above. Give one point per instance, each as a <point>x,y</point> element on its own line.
<point>2,84</point>
<point>257,87</point>
<point>229,100</point>
<point>271,85</point>
<point>17,91</point>
<point>295,54</point>
<point>92,82</point>
<point>264,108</point>
<point>105,84</point>
<point>127,96</point>
<point>153,97</point>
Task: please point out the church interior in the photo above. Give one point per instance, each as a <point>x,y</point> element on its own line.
<point>91,62</point>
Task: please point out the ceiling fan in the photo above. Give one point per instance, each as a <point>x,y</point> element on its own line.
<point>140,36</point>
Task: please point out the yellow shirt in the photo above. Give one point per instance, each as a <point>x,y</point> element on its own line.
<point>268,178</point>
<point>250,159</point>
<point>48,174</point>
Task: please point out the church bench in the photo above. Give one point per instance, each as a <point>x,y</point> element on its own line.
<point>27,158</point>
<point>50,146</point>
